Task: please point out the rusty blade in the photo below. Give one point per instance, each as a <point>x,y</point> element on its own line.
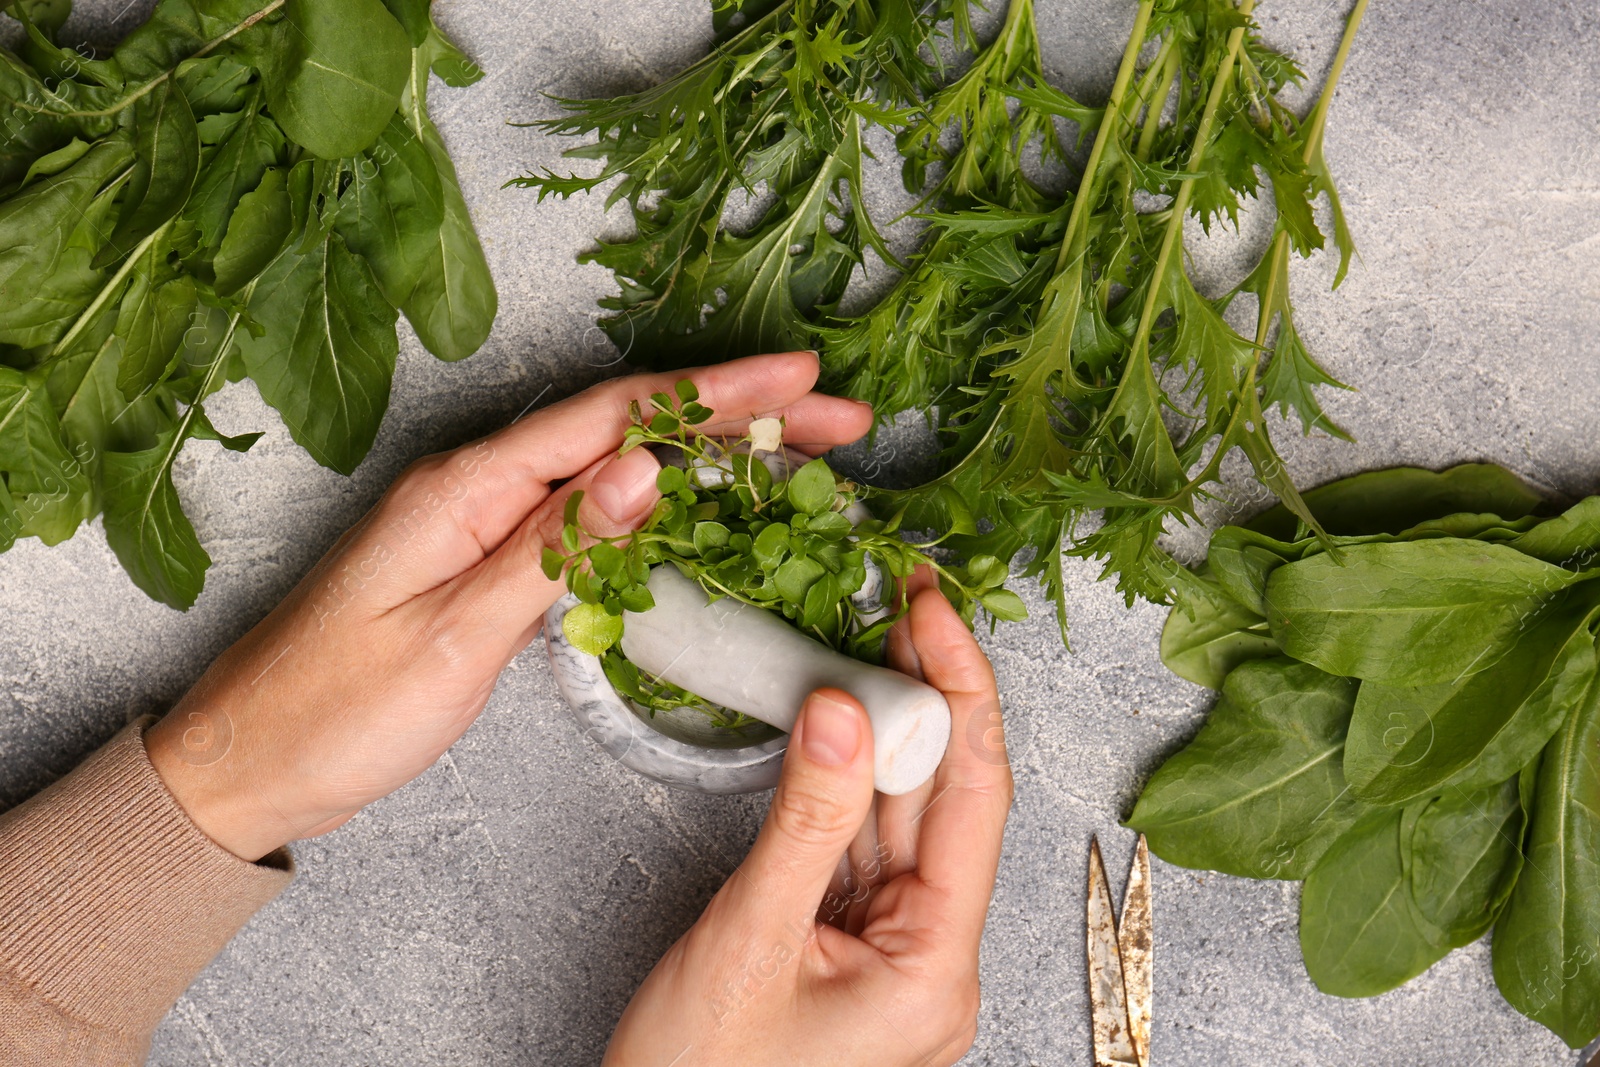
<point>1135,944</point>
<point>1108,1003</point>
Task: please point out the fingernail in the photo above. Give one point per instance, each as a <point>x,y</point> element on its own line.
<point>627,485</point>
<point>830,731</point>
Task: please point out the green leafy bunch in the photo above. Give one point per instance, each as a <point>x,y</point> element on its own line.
<point>776,111</point>
<point>784,545</point>
<point>1410,722</point>
<point>1056,340</point>
<point>240,188</point>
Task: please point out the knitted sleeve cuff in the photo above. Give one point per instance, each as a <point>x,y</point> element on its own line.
<point>111,902</point>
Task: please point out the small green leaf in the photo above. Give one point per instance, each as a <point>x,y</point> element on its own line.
<point>608,562</point>
<point>709,535</point>
<point>552,562</point>
<point>569,512</point>
<point>1004,604</point>
<point>812,488</point>
<point>591,629</point>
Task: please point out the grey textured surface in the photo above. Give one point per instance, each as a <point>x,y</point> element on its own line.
<point>501,909</point>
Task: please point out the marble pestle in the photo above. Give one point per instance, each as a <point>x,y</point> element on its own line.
<point>750,660</point>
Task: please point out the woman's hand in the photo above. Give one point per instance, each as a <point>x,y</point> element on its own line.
<point>850,933</point>
<point>388,649</point>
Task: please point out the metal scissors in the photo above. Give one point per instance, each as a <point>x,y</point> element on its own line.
<point>1120,974</point>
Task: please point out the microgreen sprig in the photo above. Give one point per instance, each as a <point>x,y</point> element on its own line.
<point>781,544</point>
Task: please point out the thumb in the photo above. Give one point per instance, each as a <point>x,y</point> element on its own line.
<point>822,799</point>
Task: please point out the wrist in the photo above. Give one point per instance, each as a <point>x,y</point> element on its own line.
<point>192,750</point>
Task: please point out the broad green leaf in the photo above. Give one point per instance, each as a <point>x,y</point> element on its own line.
<point>1242,561</point>
<point>334,72</point>
<point>146,526</point>
<point>167,147</point>
<point>1546,960</point>
<point>1571,539</point>
<point>1258,792</point>
<point>234,168</point>
<point>327,352</point>
<point>156,311</point>
<point>1394,500</point>
<point>1409,613</point>
<point>1409,741</point>
<point>1207,636</point>
<point>1360,932</point>
<point>813,488</point>
<point>1465,855</point>
<point>453,304</point>
<point>46,484</point>
<point>392,211</point>
<point>256,233</point>
<point>45,274</point>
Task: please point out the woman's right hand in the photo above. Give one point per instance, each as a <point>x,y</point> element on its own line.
<point>850,933</point>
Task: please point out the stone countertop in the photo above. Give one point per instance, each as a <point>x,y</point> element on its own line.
<point>501,909</point>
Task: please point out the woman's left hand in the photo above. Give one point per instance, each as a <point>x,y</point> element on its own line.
<point>388,649</point>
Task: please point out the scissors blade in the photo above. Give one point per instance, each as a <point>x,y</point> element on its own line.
<point>1108,1003</point>
<point>1135,944</point>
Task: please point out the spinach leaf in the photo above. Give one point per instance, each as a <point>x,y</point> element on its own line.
<point>1208,634</point>
<point>1409,613</point>
<point>333,74</point>
<point>1406,741</point>
<point>1465,853</point>
<point>1360,932</point>
<point>1394,500</point>
<point>1259,791</point>
<point>1545,960</point>
<point>1570,540</point>
<point>1242,560</point>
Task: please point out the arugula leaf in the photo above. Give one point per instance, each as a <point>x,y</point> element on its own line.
<point>327,352</point>
<point>153,247</point>
<point>333,74</point>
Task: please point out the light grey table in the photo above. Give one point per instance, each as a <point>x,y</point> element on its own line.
<point>501,909</point>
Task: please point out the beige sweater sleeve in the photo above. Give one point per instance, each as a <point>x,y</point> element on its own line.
<point>111,901</point>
